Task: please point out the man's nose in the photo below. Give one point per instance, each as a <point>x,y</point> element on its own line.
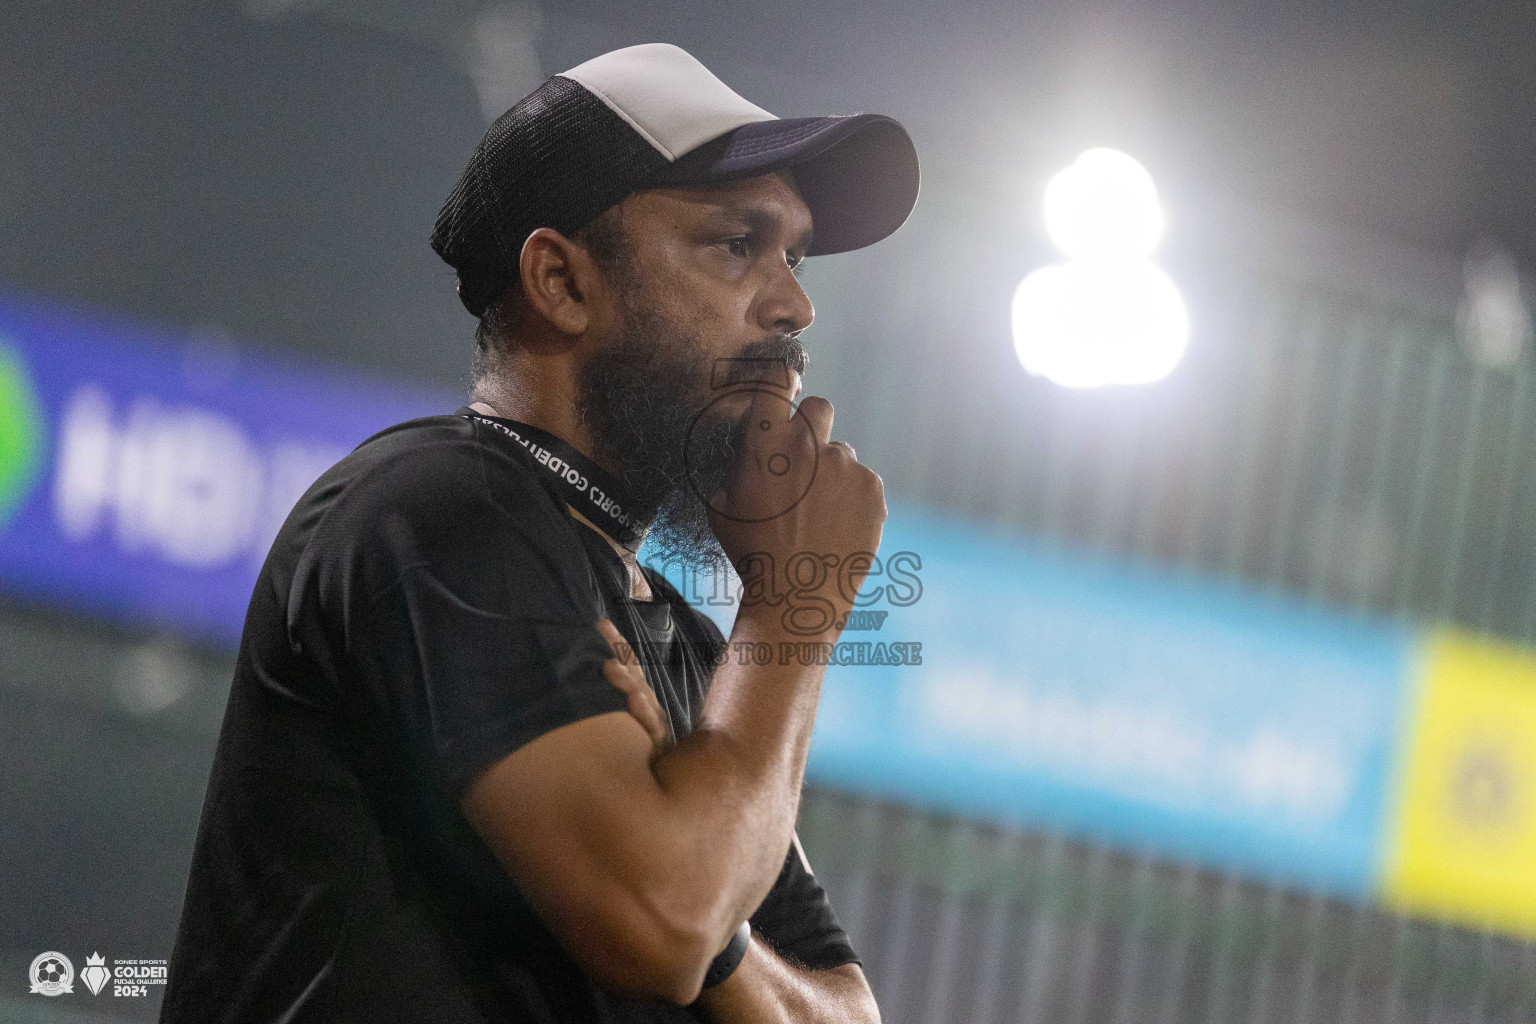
<point>785,308</point>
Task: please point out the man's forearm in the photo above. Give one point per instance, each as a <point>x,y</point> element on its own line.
<point>734,782</point>
<point>703,833</point>
<point>765,989</point>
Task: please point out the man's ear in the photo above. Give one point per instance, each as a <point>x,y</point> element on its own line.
<point>559,280</point>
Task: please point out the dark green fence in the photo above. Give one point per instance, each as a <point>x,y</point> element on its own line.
<point>1350,456</point>
<point>956,921</point>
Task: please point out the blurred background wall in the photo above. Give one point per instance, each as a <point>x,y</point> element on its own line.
<point>1226,708</point>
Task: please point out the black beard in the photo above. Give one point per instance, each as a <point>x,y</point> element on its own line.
<point>646,398</point>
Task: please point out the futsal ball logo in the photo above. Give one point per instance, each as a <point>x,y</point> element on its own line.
<point>21,433</point>
<point>52,974</point>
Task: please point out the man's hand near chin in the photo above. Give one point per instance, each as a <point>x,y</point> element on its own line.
<point>765,988</point>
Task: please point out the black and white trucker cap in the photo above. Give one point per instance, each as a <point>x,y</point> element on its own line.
<point>651,116</point>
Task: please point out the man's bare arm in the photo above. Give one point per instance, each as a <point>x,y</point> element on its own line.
<point>643,865</point>
<point>766,989</point>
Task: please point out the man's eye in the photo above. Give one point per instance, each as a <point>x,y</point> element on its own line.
<point>739,247</point>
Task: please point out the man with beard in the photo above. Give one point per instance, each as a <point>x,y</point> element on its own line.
<point>478,764</point>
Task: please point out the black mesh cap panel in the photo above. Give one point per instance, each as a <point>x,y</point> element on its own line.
<point>557,159</point>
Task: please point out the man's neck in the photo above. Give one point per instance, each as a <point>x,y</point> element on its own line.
<point>549,404</point>
<point>486,409</point>
<point>639,587</point>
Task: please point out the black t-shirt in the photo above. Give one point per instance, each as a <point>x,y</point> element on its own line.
<point>427,609</point>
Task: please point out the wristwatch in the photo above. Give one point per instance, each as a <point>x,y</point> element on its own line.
<point>722,966</point>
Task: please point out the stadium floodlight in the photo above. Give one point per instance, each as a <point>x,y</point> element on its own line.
<point>1087,324</point>
<point>1104,206</point>
<point>1107,315</point>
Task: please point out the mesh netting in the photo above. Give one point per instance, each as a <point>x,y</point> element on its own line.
<point>557,159</point>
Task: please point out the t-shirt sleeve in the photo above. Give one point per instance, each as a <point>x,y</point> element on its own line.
<point>797,921</point>
<point>457,605</point>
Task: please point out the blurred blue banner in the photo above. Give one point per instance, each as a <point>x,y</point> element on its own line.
<point>143,475</point>
<point>1183,717</point>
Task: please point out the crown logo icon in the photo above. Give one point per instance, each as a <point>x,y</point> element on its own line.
<point>95,974</point>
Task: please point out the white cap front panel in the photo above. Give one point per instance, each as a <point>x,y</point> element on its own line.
<point>666,95</point>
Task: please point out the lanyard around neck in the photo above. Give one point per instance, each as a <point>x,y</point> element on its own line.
<point>584,485</point>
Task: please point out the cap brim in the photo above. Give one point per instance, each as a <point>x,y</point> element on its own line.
<point>857,173</point>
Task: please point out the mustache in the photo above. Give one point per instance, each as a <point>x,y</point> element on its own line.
<point>766,362</point>
<point>785,348</point>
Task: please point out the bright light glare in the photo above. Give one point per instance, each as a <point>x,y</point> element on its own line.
<point>1104,206</point>
<point>1085,325</point>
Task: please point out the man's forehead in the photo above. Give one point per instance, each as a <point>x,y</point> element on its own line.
<point>769,199</point>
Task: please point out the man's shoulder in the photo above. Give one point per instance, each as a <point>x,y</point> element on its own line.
<point>432,456</point>
<point>427,439</point>
<point>438,494</point>
<point>433,474</point>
